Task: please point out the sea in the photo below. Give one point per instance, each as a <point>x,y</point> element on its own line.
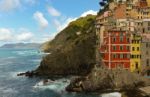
<point>14,61</point>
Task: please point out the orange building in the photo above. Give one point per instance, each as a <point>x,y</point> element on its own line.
<point>115,50</point>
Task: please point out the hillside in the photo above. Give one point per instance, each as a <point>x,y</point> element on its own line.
<point>72,50</point>
<point>21,45</point>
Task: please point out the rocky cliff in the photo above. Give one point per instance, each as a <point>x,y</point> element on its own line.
<point>104,80</point>
<point>72,50</point>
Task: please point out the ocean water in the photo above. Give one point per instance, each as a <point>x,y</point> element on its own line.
<point>14,61</point>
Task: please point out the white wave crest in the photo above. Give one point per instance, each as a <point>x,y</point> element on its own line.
<point>115,94</point>
<point>57,86</point>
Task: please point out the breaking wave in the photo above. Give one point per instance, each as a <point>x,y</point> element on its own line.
<point>57,86</point>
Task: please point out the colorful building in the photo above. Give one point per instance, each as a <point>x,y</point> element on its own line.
<point>115,50</point>
<point>135,53</point>
<point>119,30</point>
<point>145,52</point>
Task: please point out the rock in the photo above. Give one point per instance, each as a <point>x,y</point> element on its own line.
<point>21,74</point>
<point>106,80</point>
<point>28,74</point>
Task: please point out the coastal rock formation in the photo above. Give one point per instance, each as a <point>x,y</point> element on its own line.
<point>72,51</point>
<point>105,80</point>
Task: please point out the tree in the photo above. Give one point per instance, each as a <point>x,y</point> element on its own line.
<point>102,4</point>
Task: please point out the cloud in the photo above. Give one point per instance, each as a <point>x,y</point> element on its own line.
<point>90,12</point>
<point>52,11</point>
<point>5,34</point>
<point>39,17</point>
<point>26,36</point>
<point>8,35</point>
<point>31,2</point>
<point>8,5</point>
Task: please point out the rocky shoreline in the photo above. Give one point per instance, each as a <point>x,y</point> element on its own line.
<point>29,74</point>
<point>102,80</point>
<point>107,81</point>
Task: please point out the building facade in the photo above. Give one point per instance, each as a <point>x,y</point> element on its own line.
<point>120,30</point>
<point>145,52</point>
<point>135,60</point>
<point>115,50</point>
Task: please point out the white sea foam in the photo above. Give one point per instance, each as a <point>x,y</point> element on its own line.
<point>115,94</point>
<point>57,86</point>
<point>14,75</point>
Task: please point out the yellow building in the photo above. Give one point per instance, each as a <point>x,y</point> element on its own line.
<point>148,2</point>
<point>135,60</point>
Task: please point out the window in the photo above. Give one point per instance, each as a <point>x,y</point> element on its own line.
<point>121,48</point>
<point>128,40</point>
<point>133,41</point>
<point>114,48</point>
<point>121,39</point>
<point>135,56</point>
<point>133,48</point>
<point>128,48</point>
<point>132,56</point>
<point>147,62</point>
<point>128,56</point>
<point>148,28</point>
<point>124,55</point>
<point>138,48</point>
<point>143,30</point>
<point>114,39</point>
<point>147,53</point>
<point>121,56</point>
<point>114,56</point>
<point>148,23</point>
<point>136,65</point>
<point>146,45</point>
<point>121,34</point>
<point>138,56</point>
<point>118,55</point>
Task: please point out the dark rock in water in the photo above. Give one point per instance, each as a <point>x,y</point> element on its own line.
<point>28,74</point>
<point>105,80</point>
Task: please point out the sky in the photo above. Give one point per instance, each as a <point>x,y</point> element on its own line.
<point>40,20</point>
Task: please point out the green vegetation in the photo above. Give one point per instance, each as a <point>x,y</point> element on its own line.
<point>72,50</point>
